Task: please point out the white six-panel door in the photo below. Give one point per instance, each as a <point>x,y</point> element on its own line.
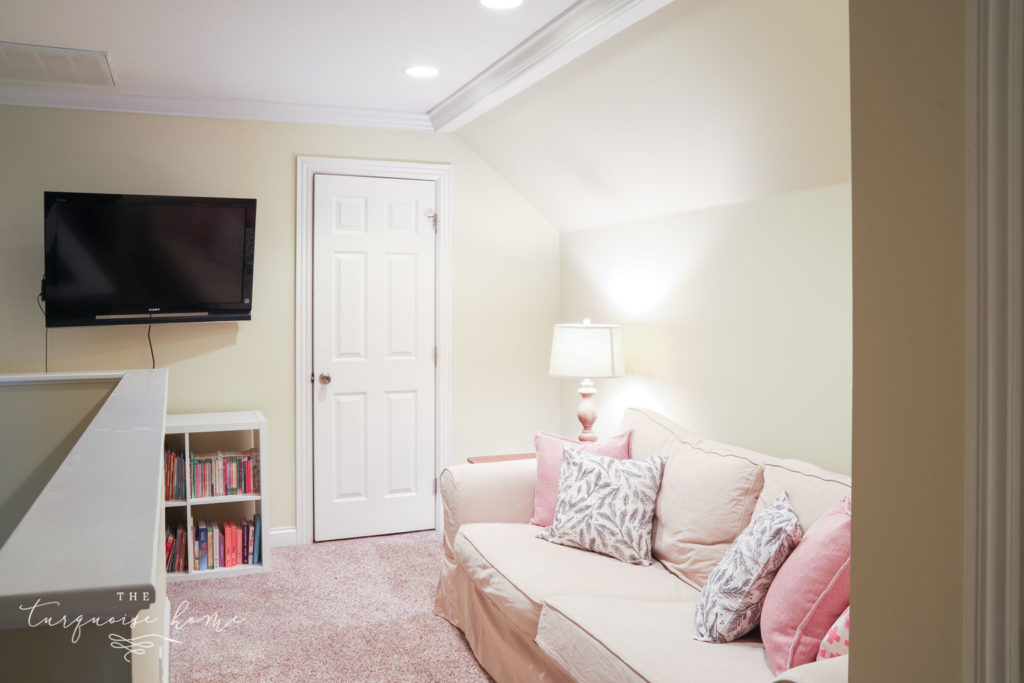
<point>373,356</point>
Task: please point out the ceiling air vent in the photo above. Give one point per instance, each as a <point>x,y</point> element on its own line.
<point>39,65</point>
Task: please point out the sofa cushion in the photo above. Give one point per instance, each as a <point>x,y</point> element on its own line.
<point>730,604</point>
<point>606,505</point>
<point>809,592</point>
<point>707,493</point>
<point>613,639</point>
<point>519,572</point>
<point>811,489</point>
<point>654,432</point>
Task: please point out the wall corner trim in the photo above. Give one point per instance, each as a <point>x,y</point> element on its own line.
<point>994,373</point>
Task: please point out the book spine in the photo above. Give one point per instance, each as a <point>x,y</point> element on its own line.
<point>204,547</point>
<point>257,521</point>
<point>182,555</point>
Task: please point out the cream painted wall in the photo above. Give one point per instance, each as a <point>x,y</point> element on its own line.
<point>909,239</point>
<point>698,166</point>
<point>736,321</point>
<point>505,269</point>
<point>704,103</point>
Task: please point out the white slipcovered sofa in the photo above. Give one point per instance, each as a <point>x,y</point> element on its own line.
<point>532,610</point>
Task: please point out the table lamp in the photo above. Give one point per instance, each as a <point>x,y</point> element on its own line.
<point>587,351</point>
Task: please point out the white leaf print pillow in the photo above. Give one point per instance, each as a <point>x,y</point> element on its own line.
<point>730,603</point>
<point>606,505</point>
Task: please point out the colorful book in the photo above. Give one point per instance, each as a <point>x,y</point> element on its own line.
<point>224,473</point>
<point>229,529</point>
<point>168,547</point>
<point>204,546</point>
<point>181,556</point>
<point>256,539</point>
<point>174,476</point>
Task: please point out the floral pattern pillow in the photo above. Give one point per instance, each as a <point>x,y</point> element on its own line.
<point>836,642</point>
<point>606,505</point>
<point>730,603</point>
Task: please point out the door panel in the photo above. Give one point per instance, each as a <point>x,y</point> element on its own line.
<point>373,333</point>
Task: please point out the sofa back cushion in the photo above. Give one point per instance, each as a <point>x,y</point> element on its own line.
<point>707,496</point>
<point>811,490</point>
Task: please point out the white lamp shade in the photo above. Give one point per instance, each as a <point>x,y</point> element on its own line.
<point>587,351</point>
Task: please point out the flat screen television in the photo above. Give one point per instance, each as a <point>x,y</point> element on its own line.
<point>115,259</point>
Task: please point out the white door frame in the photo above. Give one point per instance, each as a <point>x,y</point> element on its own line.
<point>993,549</point>
<point>306,168</point>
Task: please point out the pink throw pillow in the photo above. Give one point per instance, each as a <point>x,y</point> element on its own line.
<point>810,591</point>
<point>549,466</point>
<point>836,642</point>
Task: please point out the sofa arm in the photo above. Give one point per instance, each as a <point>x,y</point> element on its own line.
<point>486,492</point>
<point>834,670</point>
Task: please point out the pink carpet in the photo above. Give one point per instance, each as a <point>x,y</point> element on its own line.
<point>355,610</point>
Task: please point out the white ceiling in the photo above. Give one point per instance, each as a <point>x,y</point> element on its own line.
<point>340,54</point>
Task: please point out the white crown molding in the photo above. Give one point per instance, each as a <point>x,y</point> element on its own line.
<point>583,26</point>
<point>219,108</point>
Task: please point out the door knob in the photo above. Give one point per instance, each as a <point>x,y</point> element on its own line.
<point>325,378</point>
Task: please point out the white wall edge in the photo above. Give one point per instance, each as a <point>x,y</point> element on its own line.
<point>115,465</point>
<point>282,536</point>
<point>63,377</point>
<point>994,372</point>
<point>306,168</point>
<point>582,27</point>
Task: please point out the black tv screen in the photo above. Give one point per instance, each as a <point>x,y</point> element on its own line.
<point>127,259</point>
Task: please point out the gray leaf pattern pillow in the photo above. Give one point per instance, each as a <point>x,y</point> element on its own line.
<point>606,505</point>
<point>730,604</point>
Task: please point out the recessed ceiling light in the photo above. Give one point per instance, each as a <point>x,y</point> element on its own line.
<point>421,71</point>
<point>501,4</point>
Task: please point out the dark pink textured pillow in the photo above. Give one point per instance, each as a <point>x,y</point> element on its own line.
<point>810,591</point>
<point>549,466</point>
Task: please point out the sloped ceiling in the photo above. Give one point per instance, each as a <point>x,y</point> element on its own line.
<point>703,103</point>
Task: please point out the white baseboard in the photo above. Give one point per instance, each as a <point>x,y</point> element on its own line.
<point>283,535</point>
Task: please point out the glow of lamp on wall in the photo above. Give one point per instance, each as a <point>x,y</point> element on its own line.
<point>637,292</point>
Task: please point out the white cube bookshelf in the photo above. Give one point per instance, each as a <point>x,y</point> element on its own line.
<point>209,432</point>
